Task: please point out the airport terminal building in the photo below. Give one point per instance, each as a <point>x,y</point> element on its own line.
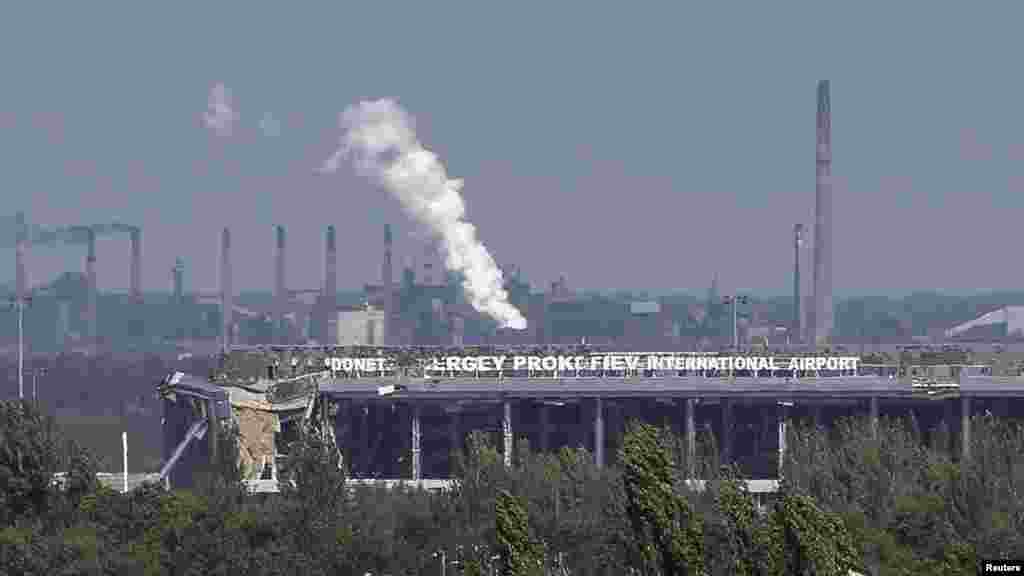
<point>400,412</point>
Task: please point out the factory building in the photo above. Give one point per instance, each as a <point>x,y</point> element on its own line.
<point>360,326</point>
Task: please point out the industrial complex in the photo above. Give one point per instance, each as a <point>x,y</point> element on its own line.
<point>407,421</point>
<point>277,369</point>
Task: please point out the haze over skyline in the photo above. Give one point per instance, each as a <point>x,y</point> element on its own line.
<point>619,147</point>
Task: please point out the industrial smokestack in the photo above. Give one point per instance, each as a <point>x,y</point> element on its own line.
<point>90,276</point>
<point>798,240</point>
<point>21,245</point>
<point>135,236</point>
<point>63,323</point>
<point>226,294</point>
<point>386,337</point>
<point>280,291</point>
<point>458,329</point>
<point>330,288</point>
<point>822,320</point>
<point>178,281</point>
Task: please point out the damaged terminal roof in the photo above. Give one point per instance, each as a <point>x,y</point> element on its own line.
<point>286,379</point>
<point>265,391</point>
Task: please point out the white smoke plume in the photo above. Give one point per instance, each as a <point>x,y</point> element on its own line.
<point>220,117</point>
<point>381,141</point>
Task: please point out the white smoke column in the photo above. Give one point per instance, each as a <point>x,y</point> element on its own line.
<point>220,117</point>
<point>380,139</point>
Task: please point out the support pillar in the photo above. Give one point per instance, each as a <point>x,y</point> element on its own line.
<point>949,420</point>
<point>343,439</point>
<point>599,433</point>
<point>965,427</point>
<point>545,427</point>
<point>506,425</point>
<point>454,440</point>
<point>726,441</point>
<point>416,462</point>
<point>816,415</point>
<point>783,421</point>
<point>365,444</point>
<point>691,437</point>
<point>212,431</point>
<point>873,416</point>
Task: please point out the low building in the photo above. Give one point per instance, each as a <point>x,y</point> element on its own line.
<point>360,326</point>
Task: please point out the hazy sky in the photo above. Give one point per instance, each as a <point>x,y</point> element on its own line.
<point>638,146</point>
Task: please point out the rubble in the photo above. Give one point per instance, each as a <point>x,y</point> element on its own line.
<point>255,439</point>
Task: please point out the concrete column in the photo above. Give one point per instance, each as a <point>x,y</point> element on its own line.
<point>950,421</point>
<point>1000,409</point>
<point>726,440</point>
<point>545,425</point>
<point>965,427</point>
<point>365,443</point>
<point>454,440</point>
<point>343,431</point>
<point>212,431</point>
<point>506,425</point>
<point>873,416</point>
<point>416,470</point>
<point>783,421</point>
<point>599,433</point>
<point>816,415</point>
<point>691,436</point>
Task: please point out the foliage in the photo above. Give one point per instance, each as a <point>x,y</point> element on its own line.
<point>667,532</point>
<point>519,554</point>
<point>29,457</point>
<point>890,502</point>
<point>808,540</point>
<point>737,538</point>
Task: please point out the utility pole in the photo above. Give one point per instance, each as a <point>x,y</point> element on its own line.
<point>36,372</point>
<point>734,300</point>
<point>20,304</point>
<point>798,241</point>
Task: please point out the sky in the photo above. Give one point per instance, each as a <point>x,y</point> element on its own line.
<point>622,146</point>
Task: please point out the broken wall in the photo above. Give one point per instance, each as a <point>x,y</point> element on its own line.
<point>255,439</point>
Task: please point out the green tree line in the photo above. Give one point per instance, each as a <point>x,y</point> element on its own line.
<point>851,499</point>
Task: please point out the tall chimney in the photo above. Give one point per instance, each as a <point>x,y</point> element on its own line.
<point>63,322</point>
<point>280,291</point>
<point>136,265</point>
<point>90,278</point>
<point>178,281</point>
<point>458,329</point>
<point>798,240</point>
<point>21,246</point>
<point>226,294</point>
<point>822,321</point>
<point>330,289</point>
<point>386,337</point>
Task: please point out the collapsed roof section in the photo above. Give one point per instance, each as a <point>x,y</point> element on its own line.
<point>266,412</point>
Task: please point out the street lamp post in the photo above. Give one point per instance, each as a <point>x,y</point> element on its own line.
<point>36,372</point>
<point>20,304</point>
<point>734,300</point>
<point>443,555</point>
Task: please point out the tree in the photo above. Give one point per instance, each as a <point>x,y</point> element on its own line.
<point>29,457</point>
<point>479,473</point>
<point>519,554</point>
<point>737,540</point>
<point>668,534</point>
<point>808,541</point>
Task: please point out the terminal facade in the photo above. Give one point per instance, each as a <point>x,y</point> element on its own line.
<point>406,415</point>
